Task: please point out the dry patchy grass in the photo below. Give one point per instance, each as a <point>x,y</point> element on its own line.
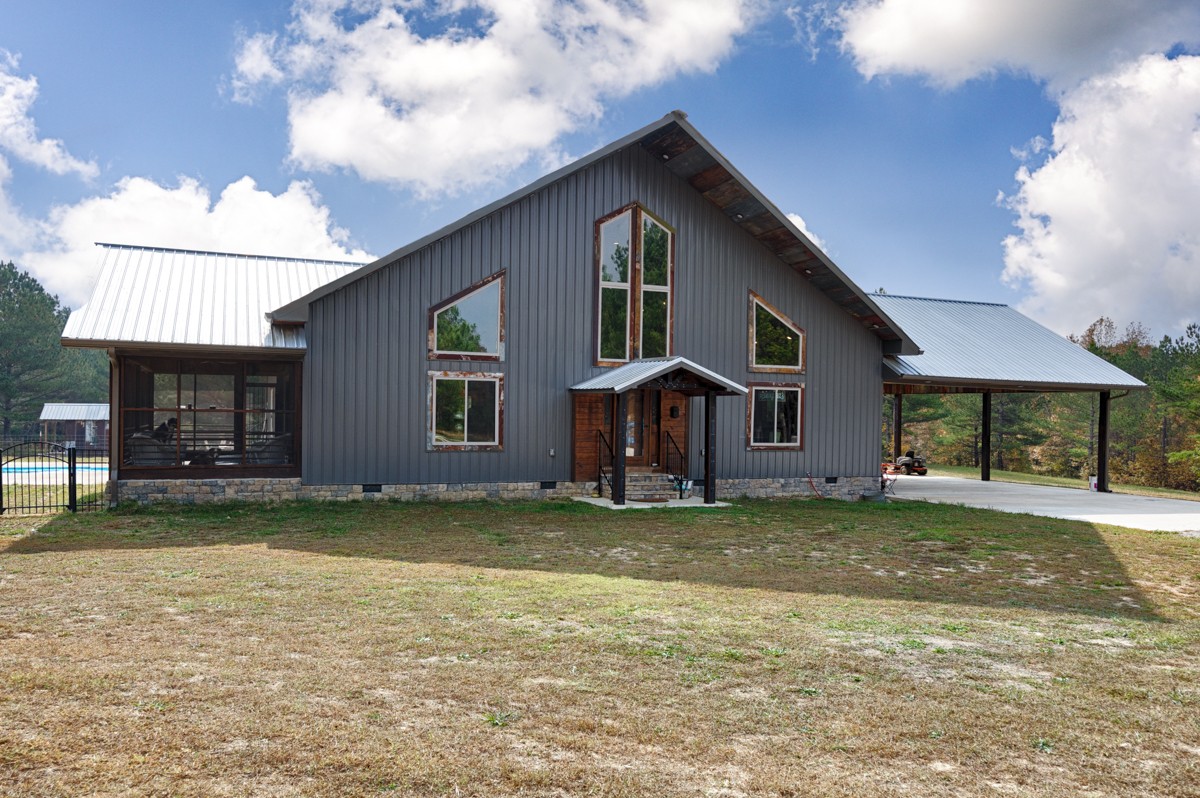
<point>775,648</point>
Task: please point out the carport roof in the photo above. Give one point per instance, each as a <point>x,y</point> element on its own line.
<point>979,346</point>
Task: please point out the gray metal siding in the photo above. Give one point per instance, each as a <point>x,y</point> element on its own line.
<point>366,377</point>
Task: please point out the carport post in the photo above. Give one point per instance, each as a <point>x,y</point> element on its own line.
<point>1102,444</point>
<point>985,460</point>
<point>897,420</point>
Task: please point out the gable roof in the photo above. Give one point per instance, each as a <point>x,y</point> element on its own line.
<point>640,372</point>
<point>68,411</point>
<point>976,345</point>
<point>681,149</point>
<point>210,300</point>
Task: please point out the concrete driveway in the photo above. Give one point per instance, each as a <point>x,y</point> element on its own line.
<point>1117,509</point>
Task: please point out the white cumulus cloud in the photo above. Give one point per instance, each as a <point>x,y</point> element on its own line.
<point>441,97</point>
<point>243,219</point>
<point>18,133</point>
<point>1110,223</point>
<point>1061,41</point>
<point>802,226</point>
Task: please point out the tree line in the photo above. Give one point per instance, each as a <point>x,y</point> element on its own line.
<point>34,367</point>
<point>1154,434</point>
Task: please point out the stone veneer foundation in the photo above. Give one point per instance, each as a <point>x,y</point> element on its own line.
<point>196,491</point>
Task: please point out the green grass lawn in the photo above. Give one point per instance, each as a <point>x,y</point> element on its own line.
<point>775,648</point>
<point>969,472</point>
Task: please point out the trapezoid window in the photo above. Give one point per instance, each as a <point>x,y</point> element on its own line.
<point>635,266</point>
<point>775,416</point>
<point>470,324</point>
<point>776,342</point>
<point>465,410</point>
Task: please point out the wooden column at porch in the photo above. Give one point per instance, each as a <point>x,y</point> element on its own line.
<point>618,486</point>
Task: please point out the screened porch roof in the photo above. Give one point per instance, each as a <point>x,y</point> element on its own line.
<point>669,373</point>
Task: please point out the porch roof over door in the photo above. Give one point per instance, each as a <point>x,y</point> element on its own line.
<point>669,373</point>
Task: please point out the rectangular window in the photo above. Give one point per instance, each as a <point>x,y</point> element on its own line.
<point>465,410</point>
<point>179,412</point>
<point>635,265</point>
<point>774,417</point>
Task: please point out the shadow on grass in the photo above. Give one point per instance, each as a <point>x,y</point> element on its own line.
<point>902,551</point>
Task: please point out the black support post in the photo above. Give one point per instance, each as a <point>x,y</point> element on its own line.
<point>618,487</point>
<point>72,488</point>
<point>1102,444</point>
<point>985,459</point>
<point>897,422</point>
<point>710,447</point>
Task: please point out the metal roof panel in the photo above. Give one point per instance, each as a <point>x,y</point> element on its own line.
<point>73,411</point>
<point>980,342</point>
<point>639,372</point>
<point>148,295</point>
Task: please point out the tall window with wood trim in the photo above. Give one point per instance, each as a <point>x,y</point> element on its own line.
<point>777,344</point>
<point>635,267</point>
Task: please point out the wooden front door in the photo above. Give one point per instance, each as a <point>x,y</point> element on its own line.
<point>640,433</point>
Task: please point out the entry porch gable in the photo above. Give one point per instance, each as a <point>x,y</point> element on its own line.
<point>664,377</point>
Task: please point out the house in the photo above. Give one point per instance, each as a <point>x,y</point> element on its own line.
<point>75,424</point>
<point>641,315</point>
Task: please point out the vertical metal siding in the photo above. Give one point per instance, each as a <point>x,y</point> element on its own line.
<point>366,389</point>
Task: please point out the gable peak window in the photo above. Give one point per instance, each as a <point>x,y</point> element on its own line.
<point>470,324</point>
<point>777,343</point>
<point>635,264</point>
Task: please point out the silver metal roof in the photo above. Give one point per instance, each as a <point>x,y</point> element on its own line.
<point>65,411</point>
<point>977,344</point>
<point>152,296</point>
<point>676,143</point>
<point>640,372</point>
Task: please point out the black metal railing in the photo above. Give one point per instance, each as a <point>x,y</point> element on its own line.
<point>602,441</point>
<point>676,465</point>
<point>37,477</point>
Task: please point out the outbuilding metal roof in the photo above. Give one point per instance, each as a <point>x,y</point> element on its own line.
<point>640,372</point>
<point>152,296</point>
<point>976,345</point>
<point>681,149</point>
<point>63,411</point>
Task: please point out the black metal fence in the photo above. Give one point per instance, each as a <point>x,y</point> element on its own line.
<point>37,477</point>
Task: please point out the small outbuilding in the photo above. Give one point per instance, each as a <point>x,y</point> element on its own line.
<point>75,424</point>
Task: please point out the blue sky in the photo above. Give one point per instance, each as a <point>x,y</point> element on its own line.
<point>1047,158</point>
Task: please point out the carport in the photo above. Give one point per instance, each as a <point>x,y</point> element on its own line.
<point>985,348</point>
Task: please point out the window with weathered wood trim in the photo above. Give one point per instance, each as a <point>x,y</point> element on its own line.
<point>470,324</point>
<point>635,257</point>
<point>775,416</point>
<point>465,410</point>
<point>777,344</point>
